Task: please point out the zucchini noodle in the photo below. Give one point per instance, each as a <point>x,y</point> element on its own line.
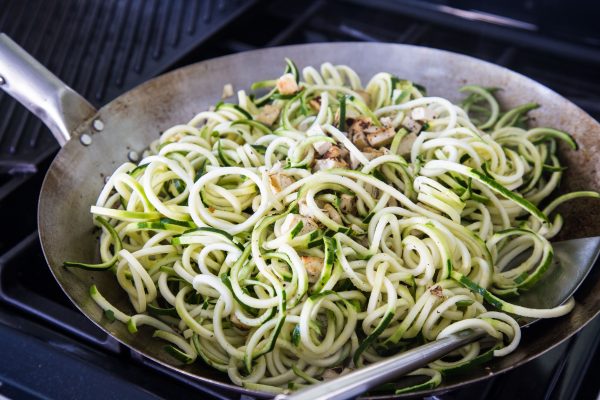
<point>325,225</point>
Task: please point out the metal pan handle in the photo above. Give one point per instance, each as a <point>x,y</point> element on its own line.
<point>49,98</point>
<point>355,383</point>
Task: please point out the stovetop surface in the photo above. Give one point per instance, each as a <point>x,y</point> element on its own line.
<point>50,350</point>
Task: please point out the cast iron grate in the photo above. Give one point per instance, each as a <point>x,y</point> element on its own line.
<point>101,49</point>
<point>569,67</point>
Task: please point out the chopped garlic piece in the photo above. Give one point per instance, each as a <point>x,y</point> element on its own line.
<point>268,114</point>
<point>227,91</point>
<point>314,266</point>
<point>286,84</point>
<point>291,220</point>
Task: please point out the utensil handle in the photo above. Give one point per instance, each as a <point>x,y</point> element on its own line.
<point>357,382</point>
<point>49,98</point>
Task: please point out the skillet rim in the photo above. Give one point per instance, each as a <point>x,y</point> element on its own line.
<point>46,239</point>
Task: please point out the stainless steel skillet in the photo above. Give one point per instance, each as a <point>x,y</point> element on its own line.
<point>97,141</point>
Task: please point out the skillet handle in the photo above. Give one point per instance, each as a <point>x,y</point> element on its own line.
<point>49,98</point>
<point>355,383</point>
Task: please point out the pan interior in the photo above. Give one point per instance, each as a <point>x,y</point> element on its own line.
<point>136,118</point>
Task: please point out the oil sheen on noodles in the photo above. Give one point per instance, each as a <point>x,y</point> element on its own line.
<point>325,225</point>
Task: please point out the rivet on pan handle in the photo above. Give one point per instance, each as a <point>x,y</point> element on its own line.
<point>38,89</point>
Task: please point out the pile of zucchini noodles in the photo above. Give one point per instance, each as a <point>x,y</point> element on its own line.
<point>281,254</point>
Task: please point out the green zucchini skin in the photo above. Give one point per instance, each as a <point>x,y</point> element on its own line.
<point>318,224</point>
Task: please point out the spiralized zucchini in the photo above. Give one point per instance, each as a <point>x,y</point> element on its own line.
<point>292,237</point>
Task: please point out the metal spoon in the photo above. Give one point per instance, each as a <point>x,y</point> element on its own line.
<point>573,260</point>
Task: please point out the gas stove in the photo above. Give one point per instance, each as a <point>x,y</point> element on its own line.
<point>103,48</point>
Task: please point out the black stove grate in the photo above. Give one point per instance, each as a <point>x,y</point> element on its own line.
<point>567,372</point>
<point>27,290</point>
<point>101,49</point>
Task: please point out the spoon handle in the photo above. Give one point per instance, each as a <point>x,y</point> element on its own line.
<point>357,382</point>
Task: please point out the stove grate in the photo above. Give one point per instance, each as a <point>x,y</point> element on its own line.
<point>101,49</point>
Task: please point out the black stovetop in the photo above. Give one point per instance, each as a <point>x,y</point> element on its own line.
<point>50,350</point>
